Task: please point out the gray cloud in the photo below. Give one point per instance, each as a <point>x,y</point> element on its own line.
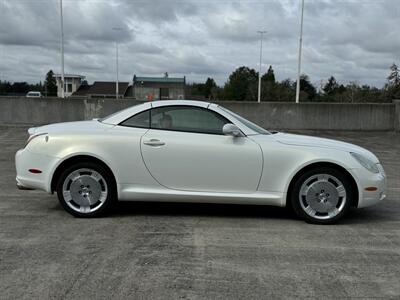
<point>353,40</point>
<point>160,11</point>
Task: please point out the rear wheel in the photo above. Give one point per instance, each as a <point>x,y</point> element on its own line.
<point>86,190</point>
<point>322,195</point>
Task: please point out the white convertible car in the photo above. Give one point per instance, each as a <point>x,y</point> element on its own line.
<point>189,151</point>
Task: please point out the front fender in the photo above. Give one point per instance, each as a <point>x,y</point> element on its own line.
<point>283,162</point>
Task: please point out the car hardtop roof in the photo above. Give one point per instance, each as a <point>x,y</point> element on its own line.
<point>158,103</point>
<point>122,115</point>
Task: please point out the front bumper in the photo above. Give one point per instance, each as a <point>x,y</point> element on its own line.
<point>366,179</point>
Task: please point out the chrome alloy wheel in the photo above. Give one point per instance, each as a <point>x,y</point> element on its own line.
<point>322,196</point>
<point>85,190</point>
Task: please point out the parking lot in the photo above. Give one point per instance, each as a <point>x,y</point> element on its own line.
<point>171,251</point>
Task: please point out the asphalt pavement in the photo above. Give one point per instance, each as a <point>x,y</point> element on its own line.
<point>197,251</point>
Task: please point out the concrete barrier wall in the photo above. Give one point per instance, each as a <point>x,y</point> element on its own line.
<point>314,116</point>
<point>397,115</point>
<point>53,110</point>
<point>270,115</point>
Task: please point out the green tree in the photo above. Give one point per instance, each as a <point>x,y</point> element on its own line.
<point>284,91</point>
<point>268,86</point>
<point>269,76</point>
<point>196,89</point>
<point>307,90</point>
<point>208,87</point>
<point>356,93</point>
<point>242,85</point>
<point>393,85</point>
<point>331,86</point>
<point>50,84</point>
<point>201,91</point>
<point>217,93</point>
<point>20,88</point>
<point>5,87</point>
<point>394,77</point>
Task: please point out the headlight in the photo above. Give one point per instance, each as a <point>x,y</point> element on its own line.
<point>365,162</point>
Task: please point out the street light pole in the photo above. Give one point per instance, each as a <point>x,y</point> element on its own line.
<point>300,48</point>
<point>116,63</point>
<point>62,50</point>
<point>116,58</point>
<point>261,32</point>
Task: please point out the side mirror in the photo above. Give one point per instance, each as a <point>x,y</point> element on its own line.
<point>232,130</point>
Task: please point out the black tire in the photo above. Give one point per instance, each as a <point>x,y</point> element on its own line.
<point>299,202</point>
<point>108,185</point>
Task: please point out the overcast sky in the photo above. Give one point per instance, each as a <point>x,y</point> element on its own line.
<point>353,40</point>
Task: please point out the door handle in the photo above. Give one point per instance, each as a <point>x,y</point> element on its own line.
<point>154,143</point>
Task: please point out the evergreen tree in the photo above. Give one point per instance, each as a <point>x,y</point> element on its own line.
<point>394,77</point>
<point>393,86</point>
<point>208,87</point>
<point>50,84</point>
<point>242,84</point>
<point>306,87</point>
<point>331,86</point>
<point>20,88</point>
<point>285,91</point>
<point>268,85</point>
<point>269,76</point>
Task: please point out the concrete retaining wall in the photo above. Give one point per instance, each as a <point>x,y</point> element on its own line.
<point>270,115</point>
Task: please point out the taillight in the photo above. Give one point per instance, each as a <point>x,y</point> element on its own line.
<point>32,137</point>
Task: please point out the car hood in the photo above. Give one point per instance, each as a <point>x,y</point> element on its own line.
<point>310,141</point>
<point>70,127</point>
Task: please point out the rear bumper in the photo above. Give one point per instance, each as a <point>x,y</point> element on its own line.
<point>25,160</point>
<point>20,186</point>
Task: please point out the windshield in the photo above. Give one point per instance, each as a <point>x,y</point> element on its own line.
<point>246,122</point>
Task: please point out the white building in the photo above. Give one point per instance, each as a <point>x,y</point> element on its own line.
<point>71,83</point>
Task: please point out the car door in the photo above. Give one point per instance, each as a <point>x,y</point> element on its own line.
<point>185,149</point>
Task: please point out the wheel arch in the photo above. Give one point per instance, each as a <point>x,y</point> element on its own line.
<point>74,160</point>
<point>319,165</point>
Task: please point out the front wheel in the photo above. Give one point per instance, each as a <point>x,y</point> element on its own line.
<point>86,190</point>
<point>322,196</point>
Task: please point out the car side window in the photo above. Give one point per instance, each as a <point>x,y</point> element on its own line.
<point>188,119</point>
<point>141,120</point>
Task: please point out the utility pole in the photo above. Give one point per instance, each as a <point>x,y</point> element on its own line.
<point>116,63</point>
<point>261,32</point>
<point>62,50</point>
<point>300,48</point>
